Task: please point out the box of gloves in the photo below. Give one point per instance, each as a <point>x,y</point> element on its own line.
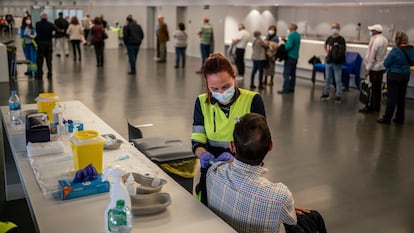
<point>86,182</point>
<point>69,190</point>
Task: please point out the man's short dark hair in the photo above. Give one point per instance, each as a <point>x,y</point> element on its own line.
<point>60,14</point>
<point>252,139</point>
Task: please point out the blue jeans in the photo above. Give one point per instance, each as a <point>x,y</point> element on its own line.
<point>289,75</point>
<point>333,71</point>
<point>257,66</point>
<point>179,52</point>
<point>132,57</point>
<point>205,52</point>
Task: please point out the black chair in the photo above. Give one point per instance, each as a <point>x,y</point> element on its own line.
<point>169,153</point>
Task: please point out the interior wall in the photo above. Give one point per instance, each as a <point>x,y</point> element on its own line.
<point>315,22</point>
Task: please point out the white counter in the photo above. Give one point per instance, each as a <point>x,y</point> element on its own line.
<point>86,215</point>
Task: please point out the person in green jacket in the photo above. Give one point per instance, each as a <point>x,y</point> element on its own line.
<point>292,45</point>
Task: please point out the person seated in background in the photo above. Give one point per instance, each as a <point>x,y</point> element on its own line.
<point>238,192</point>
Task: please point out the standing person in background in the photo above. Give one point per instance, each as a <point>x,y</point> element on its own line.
<point>97,40</point>
<point>259,48</point>
<point>180,37</point>
<point>397,64</point>
<point>241,41</point>
<point>119,31</point>
<point>75,36</point>
<point>292,46</point>
<point>216,113</point>
<point>60,37</point>
<point>10,22</point>
<point>206,39</point>
<point>27,34</point>
<point>133,36</point>
<point>44,35</point>
<point>86,25</point>
<point>163,37</point>
<point>335,48</point>
<point>272,40</point>
<point>105,24</point>
<point>374,67</point>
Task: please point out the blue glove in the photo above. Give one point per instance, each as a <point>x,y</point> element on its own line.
<point>87,173</point>
<point>205,159</point>
<point>225,156</point>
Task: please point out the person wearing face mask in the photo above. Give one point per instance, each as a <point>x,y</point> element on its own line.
<point>27,34</point>
<point>334,62</point>
<point>292,45</point>
<point>241,41</point>
<point>374,66</point>
<point>272,40</point>
<point>215,114</point>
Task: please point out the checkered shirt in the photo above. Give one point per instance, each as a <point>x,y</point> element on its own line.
<point>239,194</point>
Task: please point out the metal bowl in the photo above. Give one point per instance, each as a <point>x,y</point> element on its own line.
<point>146,184</point>
<point>145,204</point>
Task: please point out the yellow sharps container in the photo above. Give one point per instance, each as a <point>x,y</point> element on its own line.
<point>46,103</point>
<point>87,147</point>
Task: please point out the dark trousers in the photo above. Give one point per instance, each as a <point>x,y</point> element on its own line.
<point>308,223</point>
<point>132,57</point>
<point>201,187</point>
<point>76,47</point>
<point>179,53</point>
<point>375,77</point>
<point>289,75</point>
<point>396,90</point>
<point>44,51</point>
<point>257,66</point>
<point>86,34</point>
<point>240,61</point>
<point>99,52</point>
<point>205,52</point>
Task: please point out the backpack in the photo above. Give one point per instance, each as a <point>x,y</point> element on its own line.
<point>281,53</point>
<point>337,54</point>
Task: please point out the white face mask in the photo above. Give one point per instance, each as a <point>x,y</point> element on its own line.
<point>225,97</point>
<point>271,32</point>
<point>288,31</point>
<point>370,34</point>
<point>335,31</point>
<point>28,21</point>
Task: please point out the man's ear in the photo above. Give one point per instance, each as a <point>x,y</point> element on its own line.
<point>270,145</point>
<point>232,147</point>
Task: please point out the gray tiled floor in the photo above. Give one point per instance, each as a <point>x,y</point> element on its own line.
<point>357,173</point>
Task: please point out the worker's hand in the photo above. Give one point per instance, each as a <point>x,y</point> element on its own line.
<point>205,159</point>
<point>301,211</point>
<point>225,156</point>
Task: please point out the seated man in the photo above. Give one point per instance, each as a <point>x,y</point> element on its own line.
<point>239,194</point>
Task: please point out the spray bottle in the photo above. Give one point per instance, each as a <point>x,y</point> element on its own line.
<point>118,192</point>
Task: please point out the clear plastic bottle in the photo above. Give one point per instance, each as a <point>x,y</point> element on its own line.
<point>119,218</point>
<point>15,109</point>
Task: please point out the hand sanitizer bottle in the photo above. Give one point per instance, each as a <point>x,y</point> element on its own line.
<point>118,192</point>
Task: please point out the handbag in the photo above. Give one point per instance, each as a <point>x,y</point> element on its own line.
<point>104,34</point>
<point>365,92</point>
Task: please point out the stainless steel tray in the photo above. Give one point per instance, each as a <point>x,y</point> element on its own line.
<point>146,204</point>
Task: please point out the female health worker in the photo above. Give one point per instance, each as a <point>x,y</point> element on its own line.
<point>215,114</point>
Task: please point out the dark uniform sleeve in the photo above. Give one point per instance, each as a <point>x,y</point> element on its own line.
<point>198,119</point>
<point>258,105</point>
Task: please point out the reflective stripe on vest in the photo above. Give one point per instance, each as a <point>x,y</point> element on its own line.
<point>218,128</point>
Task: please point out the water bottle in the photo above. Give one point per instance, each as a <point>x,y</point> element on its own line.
<point>119,218</point>
<point>14,107</point>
